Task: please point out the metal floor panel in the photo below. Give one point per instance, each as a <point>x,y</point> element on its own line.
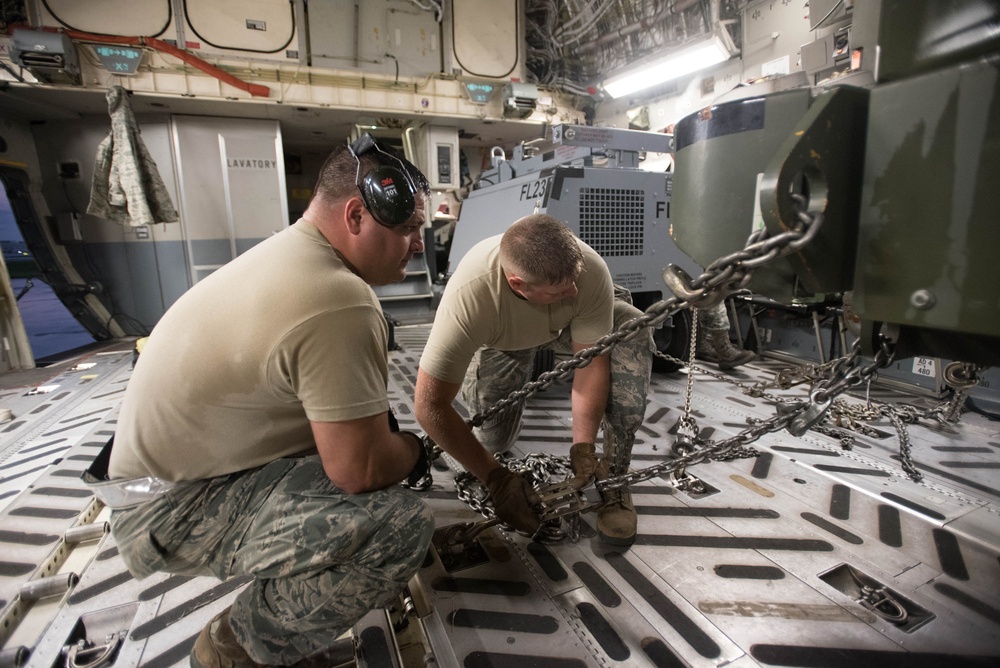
<point>749,574</point>
<point>706,585</point>
<point>51,439</point>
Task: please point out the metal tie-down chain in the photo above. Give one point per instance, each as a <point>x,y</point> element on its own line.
<point>843,418</point>
<point>687,427</point>
<point>540,470</point>
<point>785,379</point>
<point>722,277</point>
<point>960,376</point>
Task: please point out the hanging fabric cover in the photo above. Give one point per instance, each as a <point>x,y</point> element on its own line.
<point>127,187</point>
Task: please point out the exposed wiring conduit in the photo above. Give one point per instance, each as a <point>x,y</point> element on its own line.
<point>645,24</point>
<point>435,7</point>
<point>568,34</point>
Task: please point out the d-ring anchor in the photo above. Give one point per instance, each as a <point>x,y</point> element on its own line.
<point>883,604</point>
<point>82,656</point>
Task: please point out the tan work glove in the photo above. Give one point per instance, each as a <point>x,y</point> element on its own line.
<point>514,500</point>
<point>583,461</point>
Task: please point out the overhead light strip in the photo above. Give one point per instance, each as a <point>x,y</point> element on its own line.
<point>697,56</point>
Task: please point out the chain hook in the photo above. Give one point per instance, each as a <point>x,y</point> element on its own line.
<point>811,413</point>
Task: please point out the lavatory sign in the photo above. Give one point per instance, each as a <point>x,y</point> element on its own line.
<point>253,183</point>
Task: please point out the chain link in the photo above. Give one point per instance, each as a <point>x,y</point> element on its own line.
<point>564,370</point>
<point>796,416</point>
<point>756,390</point>
<point>959,375</point>
<point>962,377</point>
<point>841,375</point>
<point>541,470</point>
<point>828,381</point>
<point>725,276</point>
<point>688,427</point>
<point>716,451</point>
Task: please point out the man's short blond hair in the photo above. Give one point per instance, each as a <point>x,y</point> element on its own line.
<point>541,250</point>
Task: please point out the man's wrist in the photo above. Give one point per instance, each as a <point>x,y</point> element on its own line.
<point>414,437</point>
<point>422,464</point>
<point>419,443</point>
<point>495,476</point>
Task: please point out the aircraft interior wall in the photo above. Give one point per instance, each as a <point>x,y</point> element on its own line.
<point>19,145</point>
<point>139,277</point>
<point>214,169</point>
<point>18,151</point>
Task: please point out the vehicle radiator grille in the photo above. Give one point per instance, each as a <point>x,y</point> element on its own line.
<point>612,220</point>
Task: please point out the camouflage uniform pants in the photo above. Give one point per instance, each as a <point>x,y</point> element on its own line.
<point>493,374</point>
<point>321,558</point>
<point>714,317</point>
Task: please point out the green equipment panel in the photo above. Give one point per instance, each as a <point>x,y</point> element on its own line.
<point>928,235</point>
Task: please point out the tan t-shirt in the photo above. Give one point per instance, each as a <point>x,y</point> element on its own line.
<point>238,366</point>
<point>478,309</point>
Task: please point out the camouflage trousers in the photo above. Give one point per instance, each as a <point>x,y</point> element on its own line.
<point>714,317</point>
<point>493,374</point>
<point>321,558</point>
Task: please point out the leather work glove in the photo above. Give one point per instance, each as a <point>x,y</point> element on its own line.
<point>583,461</point>
<point>514,500</point>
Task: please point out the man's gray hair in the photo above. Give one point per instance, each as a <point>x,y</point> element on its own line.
<point>541,250</point>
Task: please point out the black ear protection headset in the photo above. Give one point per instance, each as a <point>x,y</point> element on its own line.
<point>388,190</point>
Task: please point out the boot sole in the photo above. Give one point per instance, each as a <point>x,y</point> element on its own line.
<point>616,541</point>
<point>195,663</point>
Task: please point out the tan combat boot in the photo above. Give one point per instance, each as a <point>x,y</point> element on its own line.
<point>727,355</point>
<point>216,646</point>
<point>616,519</point>
<point>583,462</point>
<point>705,352</point>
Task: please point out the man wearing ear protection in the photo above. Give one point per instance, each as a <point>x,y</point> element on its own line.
<point>534,286</point>
<point>254,437</point>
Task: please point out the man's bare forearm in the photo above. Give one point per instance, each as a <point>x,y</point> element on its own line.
<point>591,385</point>
<point>455,437</point>
<point>446,427</point>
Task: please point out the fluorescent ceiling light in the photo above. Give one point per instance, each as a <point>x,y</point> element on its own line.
<point>697,56</point>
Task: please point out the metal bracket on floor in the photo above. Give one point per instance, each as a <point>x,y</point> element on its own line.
<point>91,655</point>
